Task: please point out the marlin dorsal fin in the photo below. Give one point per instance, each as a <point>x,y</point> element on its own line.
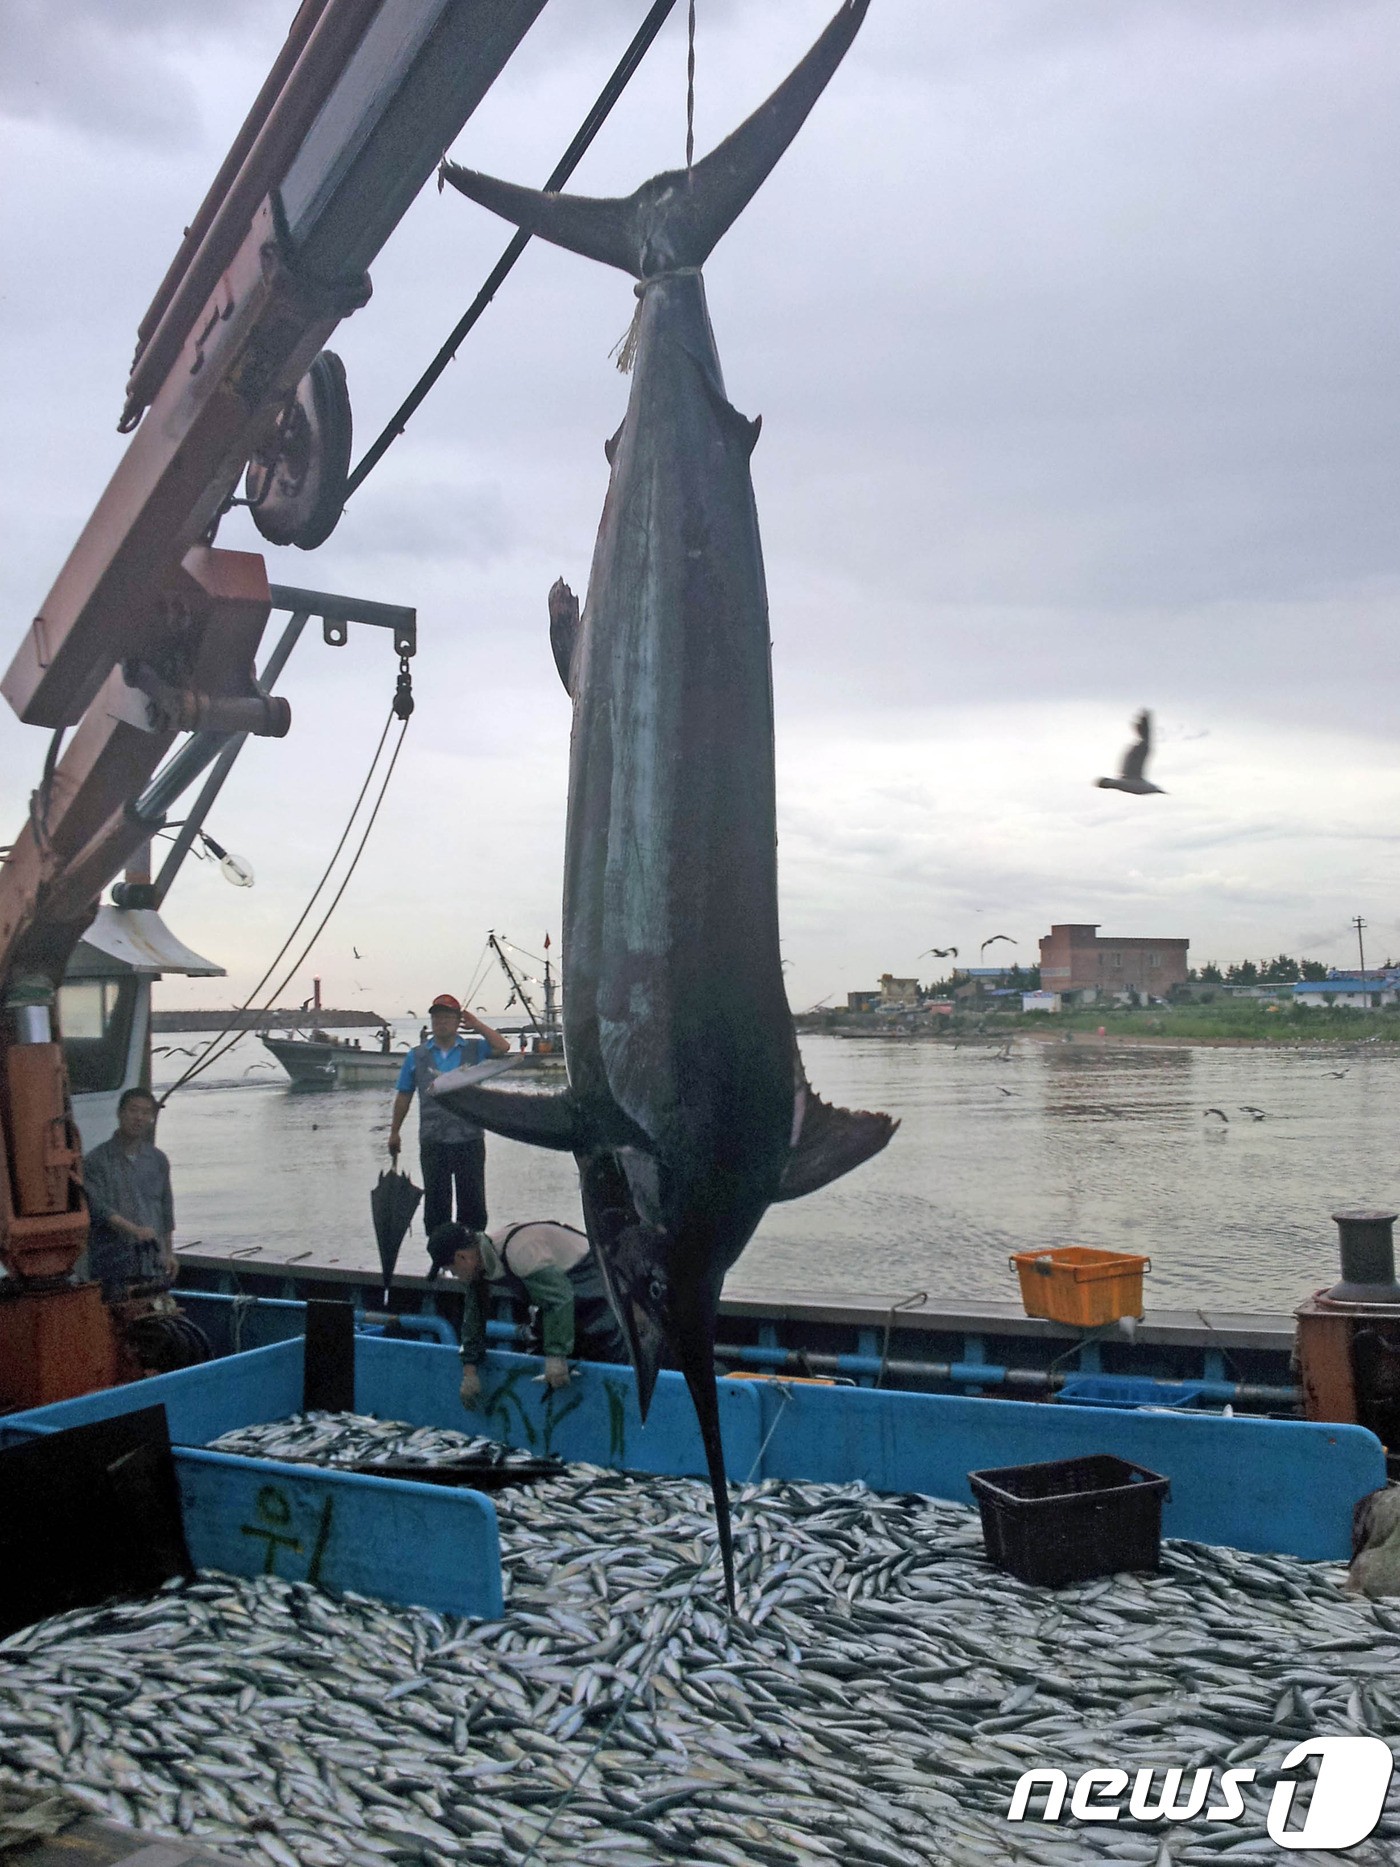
<point>563,632</point>
<point>676,219</point>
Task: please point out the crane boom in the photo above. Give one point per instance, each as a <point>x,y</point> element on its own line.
<point>150,631</point>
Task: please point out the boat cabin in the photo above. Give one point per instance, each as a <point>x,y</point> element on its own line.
<point>104,1009</point>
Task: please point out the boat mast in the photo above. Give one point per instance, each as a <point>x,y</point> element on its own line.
<point>517,984</point>
<point>551,1014</point>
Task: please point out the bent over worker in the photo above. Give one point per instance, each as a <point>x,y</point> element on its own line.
<point>451,1149</point>
<point>543,1263</point>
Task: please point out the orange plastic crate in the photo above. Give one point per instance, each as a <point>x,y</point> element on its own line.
<point>1079,1285</point>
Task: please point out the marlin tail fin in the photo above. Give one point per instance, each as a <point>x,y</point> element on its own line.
<point>676,219</point>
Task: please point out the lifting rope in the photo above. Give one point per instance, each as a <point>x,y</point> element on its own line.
<point>561,172</point>
<point>690,91</point>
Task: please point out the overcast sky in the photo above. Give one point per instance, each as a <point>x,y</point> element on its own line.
<point>1072,324</point>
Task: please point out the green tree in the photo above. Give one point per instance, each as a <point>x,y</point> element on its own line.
<point>1244,973</point>
<point>1313,969</point>
<point>1210,974</point>
<point>1279,971</point>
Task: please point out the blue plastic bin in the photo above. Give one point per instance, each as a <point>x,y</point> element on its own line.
<point>1129,1390</point>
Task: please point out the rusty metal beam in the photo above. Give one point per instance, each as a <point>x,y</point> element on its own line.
<point>292,47</point>
<point>81,827</point>
<point>264,326</point>
<point>281,130</point>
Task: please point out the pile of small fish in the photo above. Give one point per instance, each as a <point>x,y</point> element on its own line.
<point>350,1439</point>
<point>873,1703</point>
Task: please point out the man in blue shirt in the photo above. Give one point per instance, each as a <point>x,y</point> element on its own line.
<point>452,1150</point>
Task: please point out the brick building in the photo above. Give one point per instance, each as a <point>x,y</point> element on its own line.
<point>898,991</point>
<point>1077,958</point>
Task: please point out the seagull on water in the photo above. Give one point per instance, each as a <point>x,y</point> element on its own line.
<point>1221,1113</point>
<point>1130,778</point>
<point>1339,1074</point>
<point>1256,1114</point>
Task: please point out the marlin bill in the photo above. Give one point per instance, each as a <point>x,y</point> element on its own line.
<point>687,1107</point>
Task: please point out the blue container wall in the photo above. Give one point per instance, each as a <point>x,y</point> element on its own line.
<point>1254,1484</point>
<point>200,1403</point>
<point>595,1419</point>
<point>417,1545</point>
<point>1284,1485</point>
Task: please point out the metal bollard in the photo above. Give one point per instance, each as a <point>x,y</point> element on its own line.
<point>1368,1258</point>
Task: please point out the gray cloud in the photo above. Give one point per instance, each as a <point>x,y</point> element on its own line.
<point>1070,323</point>
<point>118,71</point>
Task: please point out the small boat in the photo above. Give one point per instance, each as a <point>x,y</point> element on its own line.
<point>321,1058</point>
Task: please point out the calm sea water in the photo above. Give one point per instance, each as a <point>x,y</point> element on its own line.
<point>1061,1144</point>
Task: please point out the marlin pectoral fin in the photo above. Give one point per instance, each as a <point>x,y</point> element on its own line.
<point>563,631</point>
<point>829,1142</point>
<point>540,1117</point>
<point>678,218</point>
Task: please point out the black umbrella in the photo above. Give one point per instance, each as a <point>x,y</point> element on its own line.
<point>393,1202</point>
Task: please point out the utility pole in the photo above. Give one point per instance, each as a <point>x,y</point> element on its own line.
<point>1359,925</point>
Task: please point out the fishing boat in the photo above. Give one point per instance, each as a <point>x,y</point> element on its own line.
<point>321,1059</point>
<point>914,1343</point>
<point>882,1685</point>
<point>541,1036</point>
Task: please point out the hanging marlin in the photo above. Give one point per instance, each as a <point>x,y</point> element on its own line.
<point>686,1107</point>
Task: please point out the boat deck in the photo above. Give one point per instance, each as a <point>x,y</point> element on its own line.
<point>1240,1359</point>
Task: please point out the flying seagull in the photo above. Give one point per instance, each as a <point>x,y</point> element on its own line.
<point>1221,1113</point>
<point>993,940</point>
<point>1005,1092</point>
<point>1130,778</point>
<point>356,951</point>
<point>1258,1114</point>
<point>1339,1074</point>
<point>940,952</point>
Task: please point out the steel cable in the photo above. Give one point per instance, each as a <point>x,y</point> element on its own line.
<point>561,172</point>
<point>209,1056</point>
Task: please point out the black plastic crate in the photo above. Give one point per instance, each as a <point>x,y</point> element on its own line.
<point>1068,1519</point>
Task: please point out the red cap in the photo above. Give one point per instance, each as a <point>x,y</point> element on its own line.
<point>446,1002</point>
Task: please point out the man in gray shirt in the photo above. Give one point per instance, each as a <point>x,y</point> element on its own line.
<point>127,1181</point>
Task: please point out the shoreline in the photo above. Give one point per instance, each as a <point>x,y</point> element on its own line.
<point>1091,1040</point>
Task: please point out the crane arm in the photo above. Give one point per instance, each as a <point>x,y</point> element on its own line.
<point>148,631</point>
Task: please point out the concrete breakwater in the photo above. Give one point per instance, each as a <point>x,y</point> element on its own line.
<point>876,1700</point>
<point>287,1018</point>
